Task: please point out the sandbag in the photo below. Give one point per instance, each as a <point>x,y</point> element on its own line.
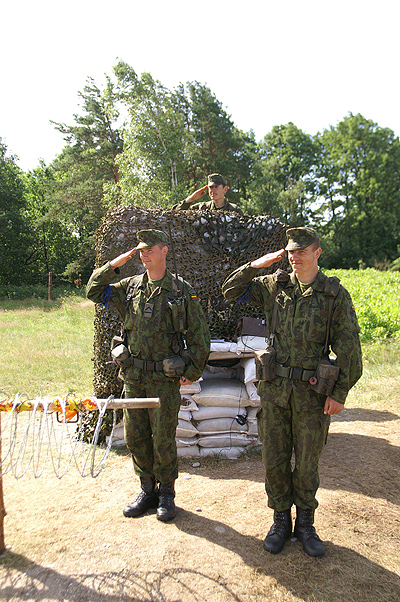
<point>216,425</point>
<point>222,392</point>
<point>185,429</point>
<point>224,440</point>
<point>209,412</point>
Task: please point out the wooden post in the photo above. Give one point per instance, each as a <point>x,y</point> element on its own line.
<point>50,296</point>
<point>2,508</point>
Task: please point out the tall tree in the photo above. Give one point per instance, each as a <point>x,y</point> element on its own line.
<point>15,236</point>
<point>175,138</point>
<point>284,183</point>
<point>359,176</point>
<point>86,164</point>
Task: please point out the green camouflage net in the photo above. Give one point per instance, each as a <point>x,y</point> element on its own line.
<point>208,247</point>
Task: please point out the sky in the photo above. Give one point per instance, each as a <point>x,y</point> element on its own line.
<point>268,62</point>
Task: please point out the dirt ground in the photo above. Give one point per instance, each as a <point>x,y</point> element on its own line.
<point>68,540</point>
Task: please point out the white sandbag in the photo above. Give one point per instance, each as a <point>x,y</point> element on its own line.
<point>223,346</point>
<point>219,372</point>
<point>249,369</point>
<point>185,441</point>
<point>253,428</point>
<point>251,343</point>
<point>252,413</point>
<point>254,398</point>
<point>188,403</point>
<point>191,452</point>
<point>224,440</point>
<point>190,389</point>
<point>183,415</point>
<point>216,425</point>
<point>209,412</point>
<point>231,453</point>
<point>222,392</point>
<point>185,429</point>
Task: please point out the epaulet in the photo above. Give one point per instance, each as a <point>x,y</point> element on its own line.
<point>332,285</point>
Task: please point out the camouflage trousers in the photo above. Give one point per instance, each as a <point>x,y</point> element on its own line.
<point>150,432</point>
<point>293,438</point>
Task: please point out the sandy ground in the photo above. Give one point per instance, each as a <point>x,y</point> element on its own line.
<point>68,540</point>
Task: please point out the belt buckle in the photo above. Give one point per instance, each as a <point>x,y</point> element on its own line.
<point>296,373</point>
<point>149,366</point>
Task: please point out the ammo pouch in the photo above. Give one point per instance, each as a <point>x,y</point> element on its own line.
<point>325,377</point>
<point>265,363</point>
<point>119,352</point>
<point>173,366</point>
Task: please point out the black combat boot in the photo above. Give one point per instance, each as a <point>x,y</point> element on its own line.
<point>280,531</point>
<point>166,506</point>
<point>147,498</point>
<point>305,532</point>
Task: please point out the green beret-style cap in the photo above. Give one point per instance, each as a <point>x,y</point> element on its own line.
<point>215,179</point>
<point>300,238</point>
<point>149,238</point>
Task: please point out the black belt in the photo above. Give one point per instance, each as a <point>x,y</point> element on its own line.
<point>294,373</point>
<point>147,365</point>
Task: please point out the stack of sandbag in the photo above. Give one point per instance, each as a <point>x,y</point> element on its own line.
<point>220,416</point>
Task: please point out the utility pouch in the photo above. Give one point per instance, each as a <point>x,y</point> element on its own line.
<point>265,363</point>
<point>177,306</point>
<point>325,377</point>
<point>121,356</point>
<point>173,366</point>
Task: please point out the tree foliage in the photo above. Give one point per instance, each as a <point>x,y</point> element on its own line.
<point>136,142</point>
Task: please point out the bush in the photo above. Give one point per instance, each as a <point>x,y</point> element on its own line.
<point>38,291</point>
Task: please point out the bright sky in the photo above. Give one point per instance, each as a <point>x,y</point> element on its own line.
<point>268,62</point>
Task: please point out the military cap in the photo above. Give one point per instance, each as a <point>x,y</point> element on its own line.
<point>215,179</point>
<point>300,238</point>
<point>149,238</point>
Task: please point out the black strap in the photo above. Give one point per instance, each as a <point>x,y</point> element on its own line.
<point>147,365</point>
<point>293,373</point>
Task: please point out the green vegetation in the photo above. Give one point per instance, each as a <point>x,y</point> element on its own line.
<point>344,180</point>
<point>376,299</point>
<point>47,347</point>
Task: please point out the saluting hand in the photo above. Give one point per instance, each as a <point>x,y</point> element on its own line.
<point>196,195</point>
<point>266,260</point>
<point>122,259</point>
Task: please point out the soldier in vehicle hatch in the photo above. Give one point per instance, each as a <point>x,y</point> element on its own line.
<point>167,343</point>
<point>299,385</point>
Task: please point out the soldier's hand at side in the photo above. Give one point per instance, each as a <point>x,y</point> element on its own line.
<point>196,195</point>
<point>266,260</point>
<point>122,259</point>
<point>185,381</point>
<point>332,406</point>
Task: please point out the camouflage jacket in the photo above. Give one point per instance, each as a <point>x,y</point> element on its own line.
<point>147,320</point>
<point>301,328</point>
<point>207,205</point>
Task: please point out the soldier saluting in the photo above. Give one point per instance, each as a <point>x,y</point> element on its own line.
<point>309,314</point>
<point>158,362</point>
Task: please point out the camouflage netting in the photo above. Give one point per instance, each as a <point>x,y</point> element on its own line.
<point>208,247</point>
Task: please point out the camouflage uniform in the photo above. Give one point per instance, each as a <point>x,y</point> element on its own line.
<point>150,334</point>
<point>292,414</point>
<point>214,179</point>
<point>207,206</point>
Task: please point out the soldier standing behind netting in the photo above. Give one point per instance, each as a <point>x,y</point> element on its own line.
<point>217,189</point>
<point>300,388</point>
<point>167,343</point>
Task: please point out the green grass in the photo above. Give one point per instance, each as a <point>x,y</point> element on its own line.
<point>47,346</point>
<point>376,297</point>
